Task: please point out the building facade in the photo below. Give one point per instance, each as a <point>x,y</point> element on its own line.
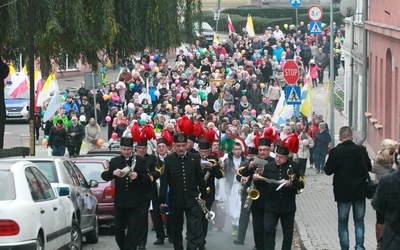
<point>383,88</point>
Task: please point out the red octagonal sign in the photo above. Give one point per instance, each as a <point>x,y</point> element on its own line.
<point>291,72</point>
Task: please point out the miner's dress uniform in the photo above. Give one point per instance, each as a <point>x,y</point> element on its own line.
<point>280,204</point>
<point>215,173</point>
<point>257,207</point>
<point>185,180</point>
<point>131,197</point>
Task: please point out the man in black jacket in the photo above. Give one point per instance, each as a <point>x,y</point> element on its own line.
<point>280,197</point>
<point>183,176</point>
<point>258,205</point>
<point>211,170</point>
<point>350,165</point>
<point>132,194</point>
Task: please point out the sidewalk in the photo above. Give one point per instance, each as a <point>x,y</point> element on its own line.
<point>316,216</point>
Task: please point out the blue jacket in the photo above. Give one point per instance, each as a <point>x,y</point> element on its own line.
<point>321,143</point>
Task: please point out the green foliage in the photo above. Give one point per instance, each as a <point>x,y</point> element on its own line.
<point>338,101</point>
<point>260,24</point>
<point>278,14</point>
<point>17,151</point>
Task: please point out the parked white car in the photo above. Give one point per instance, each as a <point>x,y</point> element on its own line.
<point>32,215</point>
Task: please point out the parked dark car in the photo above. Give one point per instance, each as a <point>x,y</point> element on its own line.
<point>92,168</point>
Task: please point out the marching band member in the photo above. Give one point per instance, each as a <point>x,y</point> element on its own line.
<point>281,200</point>
<point>183,175</point>
<point>132,194</point>
<point>257,206</point>
<point>212,170</point>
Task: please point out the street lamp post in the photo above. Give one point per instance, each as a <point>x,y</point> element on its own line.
<point>331,77</point>
<point>31,17</point>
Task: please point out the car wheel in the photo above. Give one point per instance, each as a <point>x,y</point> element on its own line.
<point>39,242</point>
<point>93,236</point>
<point>76,237</point>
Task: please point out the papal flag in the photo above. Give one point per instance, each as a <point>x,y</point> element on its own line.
<point>250,27</point>
<point>48,87</point>
<point>306,107</point>
<point>54,104</point>
<point>216,39</point>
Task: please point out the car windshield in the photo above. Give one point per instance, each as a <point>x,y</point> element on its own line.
<point>7,189</point>
<point>204,26</point>
<point>91,170</point>
<point>23,96</point>
<point>48,168</point>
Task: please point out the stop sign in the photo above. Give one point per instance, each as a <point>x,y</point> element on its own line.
<point>291,72</point>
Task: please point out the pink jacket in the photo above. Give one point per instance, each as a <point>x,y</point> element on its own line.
<point>313,71</point>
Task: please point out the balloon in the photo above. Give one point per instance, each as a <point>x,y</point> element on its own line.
<point>243,52</point>
<point>62,98</point>
<point>169,106</point>
<point>201,82</point>
<point>305,142</point>
<point>243,91</point>
<point>47,137</point>
<point>262,85</point>
<point>99,142</point>
<point>83,144</point>
<point>106,97</point>
<point>178,97</point>
<point>157,93</point>
<point>176,81</point>
<point>228,71</point>
<point>143,116</point>
<point>131,85</point>
<point>285,26</point>
<point>217,71</point>
<point>253,112</point>
<point>108,118</point>
<point>187,107</point>
<point>114,136</point>
<point>151,64</point>
<point>213,53</point>
<point>44,142</point>
<point>155,56</point>
<point>131,106</point>
<point>202,95</point>
<point>156,69</point>
<point>142,122</point>
<point>151,58</point>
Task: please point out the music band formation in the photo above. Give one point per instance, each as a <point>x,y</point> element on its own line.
<point>176,180</point>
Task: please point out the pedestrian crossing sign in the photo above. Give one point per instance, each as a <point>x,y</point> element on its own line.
<point>315,28</point>
<point>293,96</point>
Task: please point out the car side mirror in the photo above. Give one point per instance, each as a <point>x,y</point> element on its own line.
<point>63,191</point>
<point>93,183</point>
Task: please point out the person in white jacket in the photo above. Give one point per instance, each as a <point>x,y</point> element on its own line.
<point>305,143</point>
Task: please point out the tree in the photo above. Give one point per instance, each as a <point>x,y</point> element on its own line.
<point>83,28</point>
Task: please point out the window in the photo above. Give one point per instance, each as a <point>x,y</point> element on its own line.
<point>48,168</point>
<point>7,186</point>
<point>91,170</point>
<point>66,62</point>
<point>39,186</point>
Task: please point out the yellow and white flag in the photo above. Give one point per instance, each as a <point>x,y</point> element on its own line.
<point>250,27</point>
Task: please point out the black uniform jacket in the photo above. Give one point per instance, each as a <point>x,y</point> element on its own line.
<point>215,173</point>
<point>283,200</point>
<point>151,164</point>
<point>129,193</point>
<point>185,180</point>
<point>260,202</point>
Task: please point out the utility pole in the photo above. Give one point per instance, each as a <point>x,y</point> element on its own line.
<point>332,82</point>
<point>217,14</point>
<point>32,77</point>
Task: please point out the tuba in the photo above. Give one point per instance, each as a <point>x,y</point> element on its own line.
<point>210,215</point>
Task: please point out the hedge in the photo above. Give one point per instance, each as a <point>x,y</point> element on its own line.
<point>264,17</point>
<point>17,151</point>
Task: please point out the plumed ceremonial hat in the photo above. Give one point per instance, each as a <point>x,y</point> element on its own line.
<point>126,142</point>
<point>203,144</point>
<point>264,142</point>
<point>180,138</point>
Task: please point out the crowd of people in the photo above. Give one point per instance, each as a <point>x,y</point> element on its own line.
<point>214,143</point>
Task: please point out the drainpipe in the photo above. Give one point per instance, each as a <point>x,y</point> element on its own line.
<point>364,84</point>
<point>351,98</point>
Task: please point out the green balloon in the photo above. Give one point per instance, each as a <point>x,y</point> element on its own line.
<point>202,95</point>
<point>213,53</point>
<point>142,122</point>
<point>131,85</point>
<point>47,137</point>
